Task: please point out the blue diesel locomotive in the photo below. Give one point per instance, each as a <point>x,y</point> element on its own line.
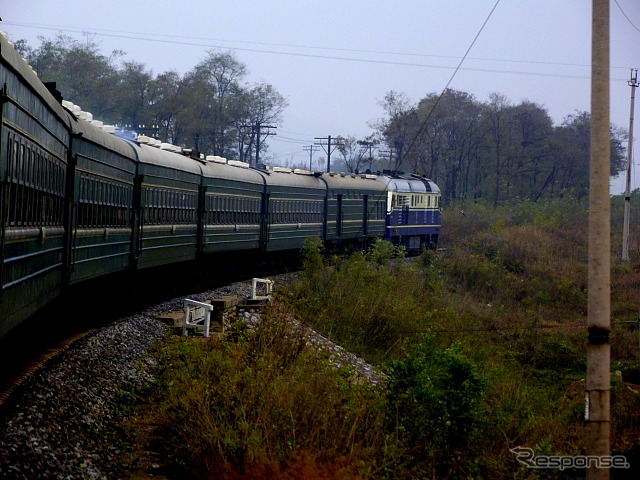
<point>78,202</point>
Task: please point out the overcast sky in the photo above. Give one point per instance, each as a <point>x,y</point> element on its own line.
<point>334,60</point>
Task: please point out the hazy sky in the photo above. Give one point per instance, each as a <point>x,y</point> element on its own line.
<point>334,60</point>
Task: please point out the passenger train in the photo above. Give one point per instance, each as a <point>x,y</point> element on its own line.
<point>79,202</point>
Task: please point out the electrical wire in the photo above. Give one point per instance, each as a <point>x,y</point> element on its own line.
<point>347,59</point>
<point>506,329</point>
<point>97,31</point>
<point>626,16</point>
<point>446,87</point>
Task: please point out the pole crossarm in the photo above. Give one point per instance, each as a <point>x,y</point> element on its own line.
<point>311,149</point>
<point>257,129</point>
<point>328,150</point>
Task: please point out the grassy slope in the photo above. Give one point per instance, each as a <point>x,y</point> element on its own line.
<point>484,346</point>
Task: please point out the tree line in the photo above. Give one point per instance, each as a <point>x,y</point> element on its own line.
<point>493,150</point>
<point>211,108</point>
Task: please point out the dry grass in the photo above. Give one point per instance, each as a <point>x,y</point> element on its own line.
<point>506,303</point>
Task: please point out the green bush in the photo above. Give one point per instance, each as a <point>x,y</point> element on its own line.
<point>264,400</point>
<point>432,405</point>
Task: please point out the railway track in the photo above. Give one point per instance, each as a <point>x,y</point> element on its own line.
<point>92,305</point>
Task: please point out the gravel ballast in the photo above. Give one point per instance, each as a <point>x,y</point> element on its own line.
<point>65,421</point>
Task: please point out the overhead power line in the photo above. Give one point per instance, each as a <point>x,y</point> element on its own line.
<point>626,16</point>
<point>289,45</point>
<point>331,57</point>
<point>507,328</point>
<point>435,105</point>
<point>330,147</point>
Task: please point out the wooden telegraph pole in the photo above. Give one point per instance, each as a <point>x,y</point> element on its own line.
<point>330,147</point>
<point>311,149</point>
<point>598,318</point>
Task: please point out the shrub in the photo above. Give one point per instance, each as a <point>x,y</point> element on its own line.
<point>432,399</point>
<point>264,403</point>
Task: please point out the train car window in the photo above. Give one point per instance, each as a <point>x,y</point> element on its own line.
<point>365,214</point>
<point>20,170</point>
<point>234,210</point>
<point>167,212</point>
<point>158,207</point>
<point>225,210</point>
<point>154,214</point>
<point>210,210</point>
<point>155,210</point>
<point>340,216</point>
<point>215,210</point>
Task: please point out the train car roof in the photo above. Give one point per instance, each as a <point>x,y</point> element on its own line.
<point>287,177</point>
<point>434,188</point>
<point>97,135</point>
<point>164,158</point>
<point>20,65</point>
<point>349,181</point>
<point>231,172</point>
<point>409,185</point>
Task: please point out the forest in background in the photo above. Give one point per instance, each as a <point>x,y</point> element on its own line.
<point>492,150</point>
<point>211,108</point>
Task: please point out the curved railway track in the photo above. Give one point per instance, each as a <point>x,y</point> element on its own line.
<point>92,305</point>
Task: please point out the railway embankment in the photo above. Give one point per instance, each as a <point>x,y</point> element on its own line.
<point>72,417</point>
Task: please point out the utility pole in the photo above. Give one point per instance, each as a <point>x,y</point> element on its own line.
<point>370,145</point>
<point>310,149</point>
<point>598,381</point>
<point>389,152</point>
<point>633,83</point>
<point>256,129</point>
<point>328,150</point>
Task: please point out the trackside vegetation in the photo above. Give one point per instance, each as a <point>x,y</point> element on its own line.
<point>482,345</point>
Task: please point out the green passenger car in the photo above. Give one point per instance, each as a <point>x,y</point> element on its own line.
<point>355,208</point>
<point>103,167</point>
<point>168,207</point>
<point>232,207</point>
<point>34,138</point>
<point>295,210</point>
